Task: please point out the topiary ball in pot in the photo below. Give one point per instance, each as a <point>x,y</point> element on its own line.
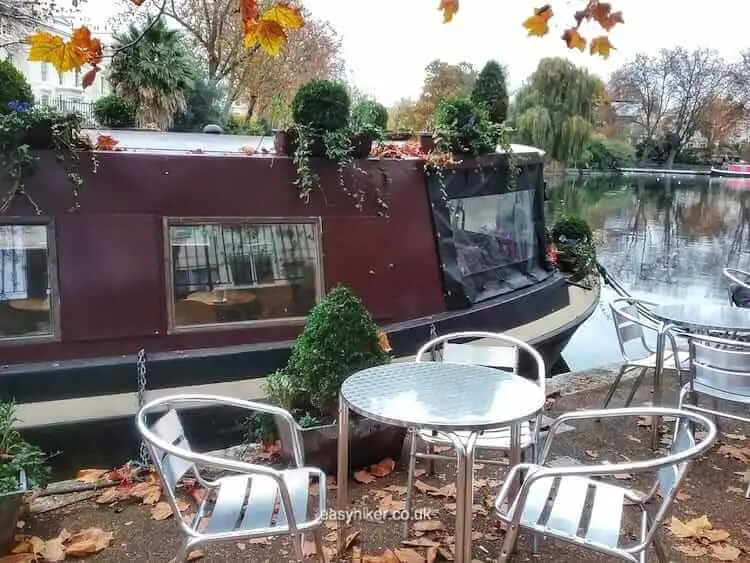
<point>571,229</point>
<point>464,127</point>
<point>369,116</point>
<point>339,339</point>
<point>321,105</point>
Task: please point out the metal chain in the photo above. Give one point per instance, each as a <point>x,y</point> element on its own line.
<point>140,367</point>
<point>435,355</point>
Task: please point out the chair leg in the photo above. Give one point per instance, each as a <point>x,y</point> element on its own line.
<point>430,461</point>
<point>298,540</point>
<point>509,544</point>
<point>659,550</point>
<point>613,387</point>
<point>318,537</point>
<point>186,546</point>
<point>410,482</point>
<point>636,384</point>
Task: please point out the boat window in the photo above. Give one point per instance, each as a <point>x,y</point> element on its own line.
<point>25,287</point>
<point>243,272</point>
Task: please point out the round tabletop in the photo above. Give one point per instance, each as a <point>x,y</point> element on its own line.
<point>442,396</point>
<point>704,316</point>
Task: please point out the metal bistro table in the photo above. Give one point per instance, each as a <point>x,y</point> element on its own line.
<point>692,317</point>
<point>444,397</point>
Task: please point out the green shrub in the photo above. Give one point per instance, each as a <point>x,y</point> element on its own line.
<point>339,339</point>
<point>571,228</point>
<point>370,117</point>
<point>321,105</point>
<point>491,92</point>
<point>17,454</point>
<point>114,111</point>
<point>608,154</point>
<point>463,127</point>
<point>13,87</point>
<point>248,126</point>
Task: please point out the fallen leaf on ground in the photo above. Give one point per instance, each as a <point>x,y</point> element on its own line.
<point>388,504</point>
<point>148,491</point>
<point>408,555</point>
<point>633,439</point>
<point>383,468</point>
<point>113,494</point>
<point>54,550</point>
<point>423,487</point>
<point>431,554</point>
<point>725,552</point>
<point>91,475</point>
<point>161,511</point>
<point>30,544</point>
<point>740,454</point>
<point>364,476</point>
<point>735,490</point>
<point>349,541</point>
<point>691,549</point>
<point>420,542</point>
<point>740,437</point>
<point>87,542</point>
<point>395,489</point>
<point>699,528</point>
<point>429,525</point>
<point>447,491</point>
<point>195,554</point>
<point>683,496</point>
<point>386,557</point>
<point>592,454</point>
<point>18,558</point>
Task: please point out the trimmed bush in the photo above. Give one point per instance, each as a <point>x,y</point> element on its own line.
<point>491,92</point>
<point>369,116</point>
<point>464,127</point>
<point>114,111</point>
<point>571,228</point>
<point>608,154</point>
<point>321,105</point>
<point>13,87</point>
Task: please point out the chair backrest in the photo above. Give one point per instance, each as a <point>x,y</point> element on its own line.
<point>738,277</point>
<point>670,476</point>
<point>630,317</point>
<point>496,350</point>
<point>721,365</point>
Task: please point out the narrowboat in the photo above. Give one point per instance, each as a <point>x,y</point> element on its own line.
<point>188,247</point>
<point>740,170</point>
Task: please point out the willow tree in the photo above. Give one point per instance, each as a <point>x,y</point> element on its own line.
<point>555,109</point>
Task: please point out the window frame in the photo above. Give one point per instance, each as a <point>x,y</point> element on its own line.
<point>52,274</point>
<point>168,222</point>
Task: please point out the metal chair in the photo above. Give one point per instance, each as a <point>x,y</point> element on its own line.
<point>502,354</point>
<point>720,369</point>
<point>253,501</point>
<point>631,319</point>
<point>739,289</point>
<point>552,501</point>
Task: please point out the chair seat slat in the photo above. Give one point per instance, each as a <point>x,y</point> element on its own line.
<point>536,501</point>
<point>298,485</point>
<point>567,507</point>
<point>230,500</point>
<point>606,516</point>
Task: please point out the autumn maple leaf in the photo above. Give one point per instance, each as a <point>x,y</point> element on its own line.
<point>248,11</point>
<point>601,46</point>
<point>106,143</point>
<point>46,47</point>
<point>266,33</point>
<point>574,39</point>
<point>602,13</point>
<point>449,8</point>
<point>537,24</point>
<point>288,17</point>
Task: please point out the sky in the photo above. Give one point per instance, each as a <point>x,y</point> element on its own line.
<point>387,44</point>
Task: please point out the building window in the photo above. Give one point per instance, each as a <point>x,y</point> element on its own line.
<point>25,288</point>
<point>243,271</point>
<point>45,72</point>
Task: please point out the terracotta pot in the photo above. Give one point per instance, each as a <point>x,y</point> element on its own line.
<point>426,142</point>
<point>362,145</point>
<point>369,443</point>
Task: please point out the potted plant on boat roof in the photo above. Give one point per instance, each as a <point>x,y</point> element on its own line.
<point>339,339</point>
<point>573,241</point>
<point>23,467</point>
<point>320,112</point>
<point>369,122</point>
<point>462,127</point>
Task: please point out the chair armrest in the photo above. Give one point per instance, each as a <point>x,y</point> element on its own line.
<point>280,415</point>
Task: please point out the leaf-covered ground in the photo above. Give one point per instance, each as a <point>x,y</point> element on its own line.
<point>131,522</point>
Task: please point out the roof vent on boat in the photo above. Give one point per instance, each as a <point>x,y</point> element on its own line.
<point>213,129</point>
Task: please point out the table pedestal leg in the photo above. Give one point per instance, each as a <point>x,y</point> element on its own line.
<point>342,480</point>
<point>515,456</point>
<point>656,395</point>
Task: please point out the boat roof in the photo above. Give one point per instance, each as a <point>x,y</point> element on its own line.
<point>145,141</point>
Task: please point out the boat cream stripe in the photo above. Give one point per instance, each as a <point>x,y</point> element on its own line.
<point>48,413</point>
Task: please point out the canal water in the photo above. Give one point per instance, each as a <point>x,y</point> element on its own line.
<point>665,238</point>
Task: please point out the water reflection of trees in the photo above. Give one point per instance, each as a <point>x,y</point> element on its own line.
<point>666,236</point>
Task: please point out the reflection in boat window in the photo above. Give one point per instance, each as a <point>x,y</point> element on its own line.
<point>495,240</point>
<point>229,273</point>
<point>24,281</point>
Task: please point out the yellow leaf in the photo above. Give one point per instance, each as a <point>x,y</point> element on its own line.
<point>449,8</point>
<point>601,46</point>
<point>266,33</point>
<point>725,552</point>
<point>285,15</point>
<point>538,23</point>
<point>49,48</point>
<point>137,2</point>
<point>574,39</point>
